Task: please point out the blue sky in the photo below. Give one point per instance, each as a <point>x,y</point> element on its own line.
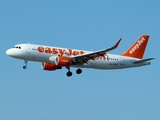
<point>34,94</point>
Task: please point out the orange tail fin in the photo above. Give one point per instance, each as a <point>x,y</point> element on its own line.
<point>138,48</point>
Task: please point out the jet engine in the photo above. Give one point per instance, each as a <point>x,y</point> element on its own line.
<point>61,61</point>
<point>50,66</point>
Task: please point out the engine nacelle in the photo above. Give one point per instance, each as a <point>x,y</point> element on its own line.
<point>50,66</point>
<point>61,61</point>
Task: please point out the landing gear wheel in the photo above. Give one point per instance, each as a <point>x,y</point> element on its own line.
<point>25,64</point>
<point>24,67</point>
<point>79,71</point>
<point>69,74</point>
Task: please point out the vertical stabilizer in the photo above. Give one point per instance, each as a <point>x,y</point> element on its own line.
<point>138,48</point>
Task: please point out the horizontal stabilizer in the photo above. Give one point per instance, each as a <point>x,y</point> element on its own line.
<point>141,61</point>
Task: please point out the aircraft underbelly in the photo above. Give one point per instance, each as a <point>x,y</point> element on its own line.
<point>104,65</point>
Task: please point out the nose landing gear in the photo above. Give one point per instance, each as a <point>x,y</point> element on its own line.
<point>25,64</point>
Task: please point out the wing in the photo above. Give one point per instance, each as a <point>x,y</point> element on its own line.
<point>93,55</point>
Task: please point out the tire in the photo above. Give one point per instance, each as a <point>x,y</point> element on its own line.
<point>24,67</point>
<point>79,71</point>
<point>69,74</point>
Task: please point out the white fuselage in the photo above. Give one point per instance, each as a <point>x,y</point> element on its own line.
<point>30,52</point>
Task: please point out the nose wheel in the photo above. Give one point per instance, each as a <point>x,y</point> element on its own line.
<point>25,64</point>
<point>24,67</point>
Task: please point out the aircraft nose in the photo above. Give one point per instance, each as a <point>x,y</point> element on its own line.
<point>9,52</point>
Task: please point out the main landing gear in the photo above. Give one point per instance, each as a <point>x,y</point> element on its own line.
<point>69,73</point>
<point>25,64</point>
<point>78,71</point>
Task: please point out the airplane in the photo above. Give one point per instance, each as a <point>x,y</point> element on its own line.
<point>54,58</point>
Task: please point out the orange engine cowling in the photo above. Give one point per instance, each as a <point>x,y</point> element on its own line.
<point>48,66</point>
<point>61,61</point>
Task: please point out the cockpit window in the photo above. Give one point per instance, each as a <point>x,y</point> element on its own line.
<point>17,47</point>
